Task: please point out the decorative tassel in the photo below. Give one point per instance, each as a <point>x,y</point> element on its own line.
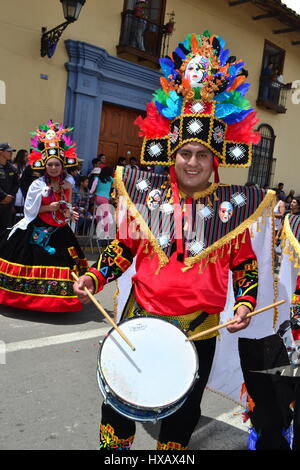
<point>297,265</point>
<point>186,268</point>
<point>244,237</point>
<point>263,222</point>
<point>200,270</point>
<point>291,258</point>
<point>236,246</point>
<point>146,248</point>
<point>215,197</point>
<point>229,249</point>
<point>287,250</point>
<point>257,227</point>
<point>158,270</point>
<point>209,201</point>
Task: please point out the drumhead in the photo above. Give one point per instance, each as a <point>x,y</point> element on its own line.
<point>159,372</point>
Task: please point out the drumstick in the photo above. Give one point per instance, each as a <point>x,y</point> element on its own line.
<point>230,322</point>
<point>101,309</point>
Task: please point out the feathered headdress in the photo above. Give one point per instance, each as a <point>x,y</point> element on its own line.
<point>50,140</point>
<point>202,99</point>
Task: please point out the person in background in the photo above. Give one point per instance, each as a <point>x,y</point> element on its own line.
<point>295,205</point>
<point>132,163</point>
<point>288,200</point>
<point>20,162</point>
<point>266,80</point>
<point>73,175</point>
<point>81,202</point>
<point>280,190</point>
<point>101,188</point>
<point>102,160</point>
<point>9,183</point>
<point>279,210</point>
<point>121,161</point>
<point>91,174</point>
<point>38,254</point>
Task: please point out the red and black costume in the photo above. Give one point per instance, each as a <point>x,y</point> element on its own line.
<point>190,293</point>
<point>185,247</point>
<point>38,255</point>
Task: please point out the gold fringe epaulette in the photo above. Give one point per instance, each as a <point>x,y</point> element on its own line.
<point>290,243</point>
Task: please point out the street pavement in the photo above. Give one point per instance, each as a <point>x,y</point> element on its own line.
<point>49,394</point>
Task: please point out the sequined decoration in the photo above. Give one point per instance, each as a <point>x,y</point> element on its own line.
<point>108,439</point>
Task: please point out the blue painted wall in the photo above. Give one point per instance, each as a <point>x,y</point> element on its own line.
<point>94,77</point>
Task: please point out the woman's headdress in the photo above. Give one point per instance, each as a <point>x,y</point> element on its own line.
<point>50,140</point>
<point>201,99</point>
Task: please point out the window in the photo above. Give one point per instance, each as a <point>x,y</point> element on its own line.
<point>262,158</point>
<point>142,29</point>
<point>273,91</point>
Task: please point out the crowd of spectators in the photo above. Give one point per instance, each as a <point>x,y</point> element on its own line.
<point>92,191</point>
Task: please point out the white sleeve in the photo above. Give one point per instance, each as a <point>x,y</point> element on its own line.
<point>94,185</point>
<point>32,205</point>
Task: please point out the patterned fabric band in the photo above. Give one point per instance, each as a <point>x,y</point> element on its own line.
<point>245,284</point>
<point>109,441</point>
<point>170,446</point>
<point>184,322</point>
<point>220,213</point>
<point>197,123</point>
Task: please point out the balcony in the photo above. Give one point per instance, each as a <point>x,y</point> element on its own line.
<point>141,39</point>
<point>273,95</point>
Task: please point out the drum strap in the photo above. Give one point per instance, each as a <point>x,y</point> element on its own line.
<point>194,323</point>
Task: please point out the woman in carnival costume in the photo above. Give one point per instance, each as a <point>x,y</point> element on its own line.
<point>38,254</point>
<point>186,233</point>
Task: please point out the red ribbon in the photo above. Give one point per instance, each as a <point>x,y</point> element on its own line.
<point>177,214</point>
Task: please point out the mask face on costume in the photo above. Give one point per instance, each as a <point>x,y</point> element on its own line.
<point>50,134</point>
<point>225,211</point>
<point>153,199</point>
<point>197,71</point>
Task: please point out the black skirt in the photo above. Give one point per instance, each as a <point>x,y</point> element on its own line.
<point>36,266</point>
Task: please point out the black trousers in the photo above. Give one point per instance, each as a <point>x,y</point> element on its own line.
<point>179,426</point>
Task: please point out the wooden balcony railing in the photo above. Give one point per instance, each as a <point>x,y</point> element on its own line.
<point>273,95</point>
<point>141,38</point>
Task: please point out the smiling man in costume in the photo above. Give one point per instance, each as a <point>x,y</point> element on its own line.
<point>184,247</point>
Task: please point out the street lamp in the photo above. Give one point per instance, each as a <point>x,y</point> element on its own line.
<point>49,40</point>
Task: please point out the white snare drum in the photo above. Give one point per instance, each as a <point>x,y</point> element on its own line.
<point>153,381</point>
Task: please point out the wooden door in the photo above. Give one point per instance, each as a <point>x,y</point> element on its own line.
<point>118,135</point>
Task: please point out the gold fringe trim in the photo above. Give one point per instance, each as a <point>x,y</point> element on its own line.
<point>287,235</point>
<point>210,190</point>
<point>115,301</point>
<point>275,284</point>
<point>268,201</point>
<point>162,257</point>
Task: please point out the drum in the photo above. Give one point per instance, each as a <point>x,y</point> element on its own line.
<point>153,381</point>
